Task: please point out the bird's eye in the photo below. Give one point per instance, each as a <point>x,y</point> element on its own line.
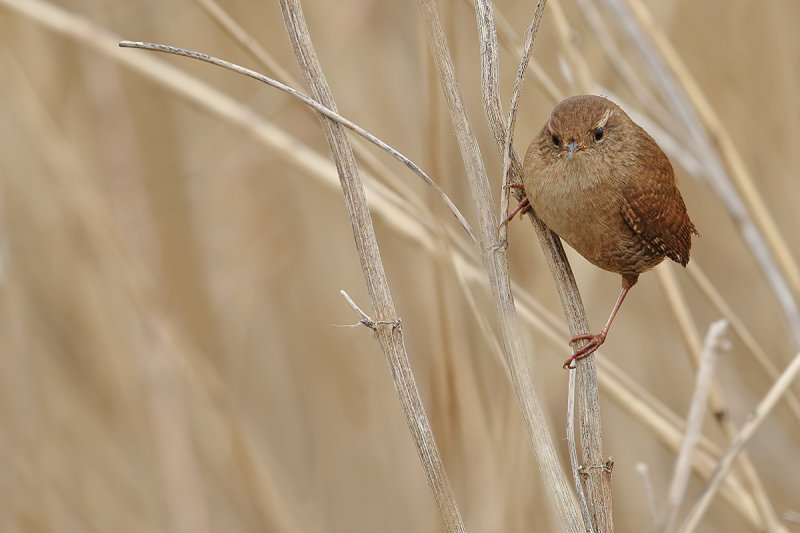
<point>556,141</point>
<point>598,134</point>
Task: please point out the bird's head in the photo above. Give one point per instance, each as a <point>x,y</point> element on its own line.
<point>582,123</point>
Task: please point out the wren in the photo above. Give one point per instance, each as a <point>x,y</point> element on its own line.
<point>604,186</point>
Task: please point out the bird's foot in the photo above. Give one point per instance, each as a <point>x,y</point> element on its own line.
<point>523,207</point>
<point>595,340</point>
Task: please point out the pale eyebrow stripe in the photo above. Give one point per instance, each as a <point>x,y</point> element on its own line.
<point>602,122</point>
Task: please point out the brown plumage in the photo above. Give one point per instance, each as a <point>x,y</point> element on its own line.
<point>603,185</point>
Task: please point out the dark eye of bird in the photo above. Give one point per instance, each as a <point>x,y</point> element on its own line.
<point>556,141</point>
<point>598,134</point>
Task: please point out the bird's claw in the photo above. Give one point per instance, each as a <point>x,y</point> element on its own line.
<point>595,340</point>
<point>523,207</point>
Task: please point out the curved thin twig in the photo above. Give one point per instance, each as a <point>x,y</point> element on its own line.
<point>317,107</point>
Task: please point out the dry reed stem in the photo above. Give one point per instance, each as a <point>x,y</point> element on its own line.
<point>717,403</point>
<point>511,163</point>
<point>714,343</point>
<point>667,426</point>
<point>387,324</point>
<point>598,481</point>
<point>649,493</point>
<point>575,60</point>
<point>754,420</point>
<point>573,456</point>
<point>629,395</point>
<point>495,262</point>
<point>508,37</point>
<point>598,478</point>
<point>632,397</point>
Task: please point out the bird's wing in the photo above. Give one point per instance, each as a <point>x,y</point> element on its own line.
<point>656,213</point>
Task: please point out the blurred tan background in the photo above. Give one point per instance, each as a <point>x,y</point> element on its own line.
<point>169,282</point>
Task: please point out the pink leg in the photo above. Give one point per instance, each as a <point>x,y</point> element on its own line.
<point>595,340</point>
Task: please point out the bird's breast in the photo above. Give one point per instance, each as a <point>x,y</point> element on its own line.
<point>584,209</point>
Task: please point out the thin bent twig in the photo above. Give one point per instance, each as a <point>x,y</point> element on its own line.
<point>333,115</point>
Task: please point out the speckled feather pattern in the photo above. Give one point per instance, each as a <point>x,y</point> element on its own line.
<point>615,201</point>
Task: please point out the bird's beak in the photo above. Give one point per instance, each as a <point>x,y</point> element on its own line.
<point>574,148</point>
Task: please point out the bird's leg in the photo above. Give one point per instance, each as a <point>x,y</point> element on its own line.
<point>523,207</point>
<point>596,339</point>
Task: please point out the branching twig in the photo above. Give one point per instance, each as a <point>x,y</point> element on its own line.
<point>511,165</point>
<point>389,335</point>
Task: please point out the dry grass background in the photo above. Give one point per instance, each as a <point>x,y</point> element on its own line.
<point>169,282</point>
